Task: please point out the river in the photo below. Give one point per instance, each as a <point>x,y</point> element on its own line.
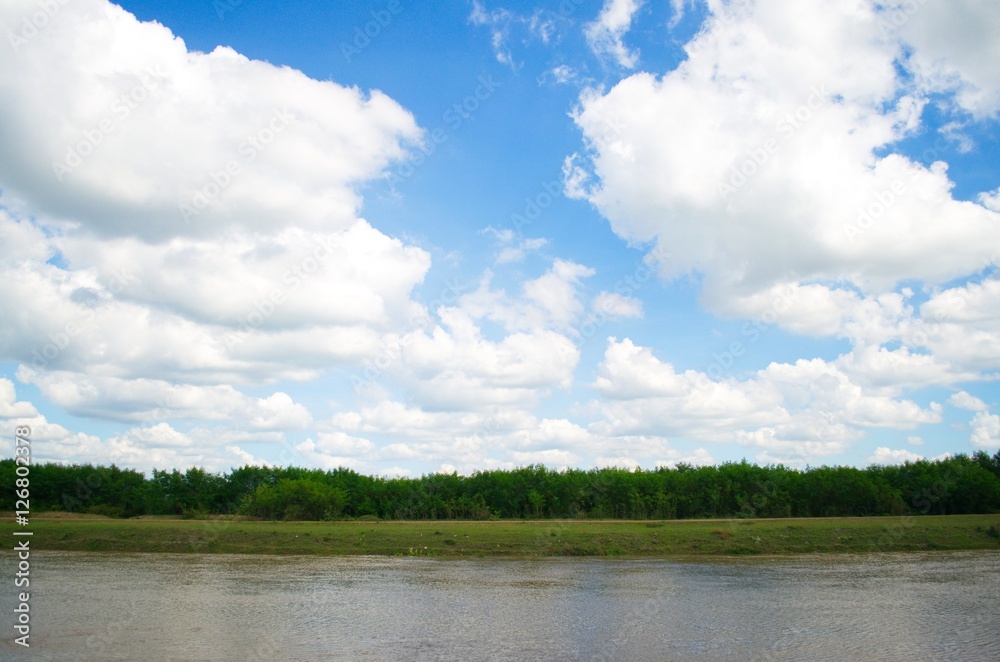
<point>95,606</point>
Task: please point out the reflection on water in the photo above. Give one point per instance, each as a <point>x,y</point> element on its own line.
<point>215,607</point>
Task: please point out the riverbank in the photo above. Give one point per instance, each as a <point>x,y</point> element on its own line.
<point>518,538</point>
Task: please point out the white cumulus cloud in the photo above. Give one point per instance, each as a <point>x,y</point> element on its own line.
<point>985,430</point>
<point>758,162</point>
<point>963,400</point>
<point>887,456</point>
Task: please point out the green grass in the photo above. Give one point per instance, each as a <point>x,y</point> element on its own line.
<point>520,538</point>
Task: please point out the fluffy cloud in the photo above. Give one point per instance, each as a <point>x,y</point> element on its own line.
<point>963,400</point>
<point>9,405</point>
<point>54,438</point>
<point>802,410</point>
<point>699,458</point>
<point>985,430</point>
<point>146,400</point>
<point>962,324</point>
<point>754,163</point>
<point>901,368</point>
<point>454,366</point>
<point>146,254</point>
<point>557,459</point>
<point>132,125</point>
<point>285,276</point>
<point>174,221</point>
<point>326,457</point>
<point>402,432</point>
<point>550,301</point>
<point>144,448</point>
<point>464,441</point>
<point>765,165</point>
<point>955,49</point>
<point>177,226</point>
<point>264,309</point>
<point>161,445</point>
<point>886,456</point>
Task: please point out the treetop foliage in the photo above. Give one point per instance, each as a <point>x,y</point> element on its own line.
<point>958,485</point>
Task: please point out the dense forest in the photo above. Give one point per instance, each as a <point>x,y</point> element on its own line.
<point>957,485</point>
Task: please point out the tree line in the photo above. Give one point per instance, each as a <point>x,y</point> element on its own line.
<point>958,485</point>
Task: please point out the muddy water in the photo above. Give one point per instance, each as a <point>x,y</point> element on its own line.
<point>215,607</point>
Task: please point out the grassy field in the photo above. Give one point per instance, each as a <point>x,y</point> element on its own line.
<point>517,538</point>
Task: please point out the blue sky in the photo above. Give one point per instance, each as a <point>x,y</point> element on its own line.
<point>407,238</point>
